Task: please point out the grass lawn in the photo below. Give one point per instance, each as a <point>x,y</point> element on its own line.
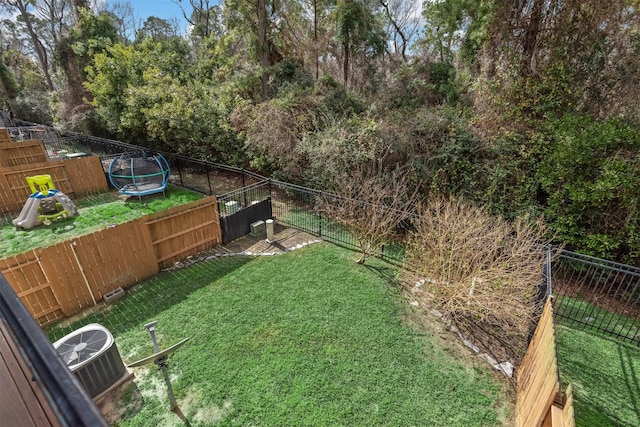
<point>605,376</point>
<point>96,212</point>
<point>304,338</point>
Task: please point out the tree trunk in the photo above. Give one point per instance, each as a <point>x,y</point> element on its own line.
<point>75,90</point>
<point>264,48</point>
<point>403,49</point>
<point>345,64</point>
<point>37,45</point>
<point>315,37</point>
<point>531,37</point>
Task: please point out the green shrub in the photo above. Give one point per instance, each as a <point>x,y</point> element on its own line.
<point>288,75</point>
<point>592,177</point>
<point>421,83</point>
<point>336,100</point>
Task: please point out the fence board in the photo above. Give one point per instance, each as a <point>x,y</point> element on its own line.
<point>5,136</point>
<point>86,175</point>
<point>87,267</point>
<point>22,153</point>
<point>567,412</point>
<point>184,230</point>
<point>28,279</point>
<point>538,374</point>
<point>17,187</point>
<point>66,279</point>
<point>115,257</point>
<point>16,177</point>
<point>75,177</point>
<point>8,201</point>
<point>538,386</point>
<point>63,279</point>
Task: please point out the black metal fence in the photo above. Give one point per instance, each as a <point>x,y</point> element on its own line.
<point>240,208</point>
<point>202,176</point>
<point>589,292</point>
<point>298,207</point>
<point>599,295</point>
<point>233,201</point>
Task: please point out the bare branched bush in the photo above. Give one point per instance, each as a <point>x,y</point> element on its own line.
<point>371,204</point>
<point>481,272</point>
<point>273,131</point>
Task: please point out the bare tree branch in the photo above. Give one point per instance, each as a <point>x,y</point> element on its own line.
<point>372,205</point>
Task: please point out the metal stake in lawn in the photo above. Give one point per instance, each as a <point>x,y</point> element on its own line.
<point>160,359</point>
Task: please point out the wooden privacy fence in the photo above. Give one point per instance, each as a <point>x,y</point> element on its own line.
<point>74,177</point>
<point>539,401</point>
<point>60,280</point>
<point>22,153</point>
<point>5,136</point>
<point>184,230</point>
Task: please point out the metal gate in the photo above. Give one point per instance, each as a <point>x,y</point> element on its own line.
<point>240,208</point>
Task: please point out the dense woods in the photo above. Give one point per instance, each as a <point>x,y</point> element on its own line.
<point>527,108</point>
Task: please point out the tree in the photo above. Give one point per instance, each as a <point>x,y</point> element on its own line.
<point>118,76</point>
<point>22,86</point>
<point>123,18</point>
<point>401,16</point>
<point>91,35</point>
<point>591,177</point>
<point>256,20</point>
<point>371,204</point>
<point>157,29</point>
<point>263,48</point>
<point>455,27</point>
<point>54,15</point>
<point>24,8</point>
<point>8,83</point>
<point>204,18</point>
<point>315,20</point>
<point>544,56</point>
<point>356,28</point>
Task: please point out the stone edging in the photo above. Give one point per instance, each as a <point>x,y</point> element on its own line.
<point>505,367</point>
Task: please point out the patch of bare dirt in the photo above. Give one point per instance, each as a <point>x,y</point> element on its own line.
<point>210,414</point>
<point>120,401</point>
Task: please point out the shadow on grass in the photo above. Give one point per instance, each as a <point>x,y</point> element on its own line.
<point>604,375</point>
<point>65,225</point>
<point>142,201</point>
<point>386,272</point>
<point>59,226</point>
<point>150,297</point>
<point>630,378</point>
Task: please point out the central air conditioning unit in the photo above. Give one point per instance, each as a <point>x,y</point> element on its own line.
<point>91,354</point>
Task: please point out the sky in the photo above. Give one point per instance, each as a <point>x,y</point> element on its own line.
<point>165,9</point>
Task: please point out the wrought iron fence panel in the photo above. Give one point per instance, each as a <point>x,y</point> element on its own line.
<point>239,209</point>
<point>598,294</point>
<point>299,207</point>
<point>233,201</point>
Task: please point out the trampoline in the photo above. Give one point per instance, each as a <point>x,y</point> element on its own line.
<point>139,176</point>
